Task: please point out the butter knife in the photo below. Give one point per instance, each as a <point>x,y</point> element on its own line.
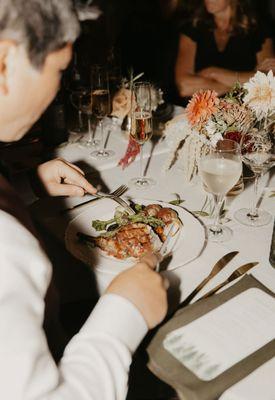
<point>235,275</point>
<point>220,264</point>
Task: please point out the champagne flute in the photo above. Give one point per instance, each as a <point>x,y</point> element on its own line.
<point>75,98</point>
<point>85,104</point>
<point>220,170</point>
<point>141,126</point>
<point>101,107</point>
<point>257,148</point>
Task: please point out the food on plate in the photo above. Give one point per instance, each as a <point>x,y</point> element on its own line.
<point>130,236</point>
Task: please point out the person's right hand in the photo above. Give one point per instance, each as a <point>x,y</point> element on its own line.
<point>145,288</point>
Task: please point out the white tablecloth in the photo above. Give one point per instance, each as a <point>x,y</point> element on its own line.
<point>253,244</point>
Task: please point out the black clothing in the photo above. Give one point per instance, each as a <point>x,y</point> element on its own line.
<point>239,53</point>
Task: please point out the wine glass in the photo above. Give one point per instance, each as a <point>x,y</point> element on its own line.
<point>220,170</point>
<point>141,126</point>
<point>75,98</point>
<point>101,107</point>
<point>85,104</point>
<point>257,148</point>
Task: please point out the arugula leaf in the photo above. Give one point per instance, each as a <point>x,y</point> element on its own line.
<point>176,202</point>
<point>138,207</point>
<point>201,213</point>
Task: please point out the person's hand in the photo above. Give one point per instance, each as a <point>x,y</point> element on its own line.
<point>145,288</point>
<point>267,65</point>
<point>61,178</point>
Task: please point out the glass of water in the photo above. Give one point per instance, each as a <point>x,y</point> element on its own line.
<point>220,170</point>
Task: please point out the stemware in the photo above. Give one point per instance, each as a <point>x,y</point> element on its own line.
<point>141,126</point>
<point>220,170</point>
<point>75,98</point>
<point>257,149</point>
<point>85,104</point>
<point>101,107</point>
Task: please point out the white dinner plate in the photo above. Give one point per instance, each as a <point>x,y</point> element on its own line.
<point>187,246</point>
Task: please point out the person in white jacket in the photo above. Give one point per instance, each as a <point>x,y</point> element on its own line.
<point>36,37</point>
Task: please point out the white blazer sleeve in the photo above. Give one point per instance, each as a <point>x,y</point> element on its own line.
<point>95,363</point>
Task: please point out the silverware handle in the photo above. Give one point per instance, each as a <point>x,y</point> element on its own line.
<point>189,298</point>
<point>215,289</point>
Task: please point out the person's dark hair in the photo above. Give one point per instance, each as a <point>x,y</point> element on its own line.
<point>243,18</point>
<point>41,26</point>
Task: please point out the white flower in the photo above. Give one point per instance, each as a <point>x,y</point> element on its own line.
<point>175,132</point>
<point>211,128</point>
<point>261,94</point>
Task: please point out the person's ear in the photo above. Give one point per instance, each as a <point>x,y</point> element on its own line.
<point>5,48</point>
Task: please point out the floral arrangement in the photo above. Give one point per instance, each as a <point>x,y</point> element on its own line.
<point>208,118</point>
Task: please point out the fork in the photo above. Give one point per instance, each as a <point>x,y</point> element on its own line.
<point>123,204</point>
<point>99,195</point>
<point>118,192</point>
<point>163,248</point>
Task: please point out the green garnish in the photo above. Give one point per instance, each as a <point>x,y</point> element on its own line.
<point>123,218</point>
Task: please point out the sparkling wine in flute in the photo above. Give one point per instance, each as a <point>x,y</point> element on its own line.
<point>141,129</point>
<point>101,103</point>
<point>220,175</point>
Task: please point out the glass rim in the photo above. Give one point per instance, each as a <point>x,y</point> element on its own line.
<point>236,147</point>
<point>142,83</point>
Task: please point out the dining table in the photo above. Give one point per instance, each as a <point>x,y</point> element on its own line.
<point>196,255</point>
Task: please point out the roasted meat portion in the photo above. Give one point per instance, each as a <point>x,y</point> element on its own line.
<point>131,240</point>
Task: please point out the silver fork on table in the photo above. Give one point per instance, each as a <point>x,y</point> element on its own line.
<point>100,195</point>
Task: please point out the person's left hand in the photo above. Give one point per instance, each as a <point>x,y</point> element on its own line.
<point>58,177</point>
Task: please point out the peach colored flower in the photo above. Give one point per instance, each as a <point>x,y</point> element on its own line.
<point>202,105</point>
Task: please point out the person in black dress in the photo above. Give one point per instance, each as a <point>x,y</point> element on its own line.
<point>223,43</point>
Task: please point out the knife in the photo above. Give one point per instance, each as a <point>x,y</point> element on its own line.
<point>272,248</point>
<point>220,264</point>
<point>235,275</point>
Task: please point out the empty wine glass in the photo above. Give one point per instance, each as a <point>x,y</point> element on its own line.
<point>101,107</point>
<point>220,170</point>
<point>75,98</point>
<point>85,104</point>
<point>257,149</point>
<point>141,126</point>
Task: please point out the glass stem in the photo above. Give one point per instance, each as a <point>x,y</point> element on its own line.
<point>80,122</point>
<point>89,129</point>
<point>253,213</point>
<point>218,200</point>
<point>141,161</point>
<point>101,151</point>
